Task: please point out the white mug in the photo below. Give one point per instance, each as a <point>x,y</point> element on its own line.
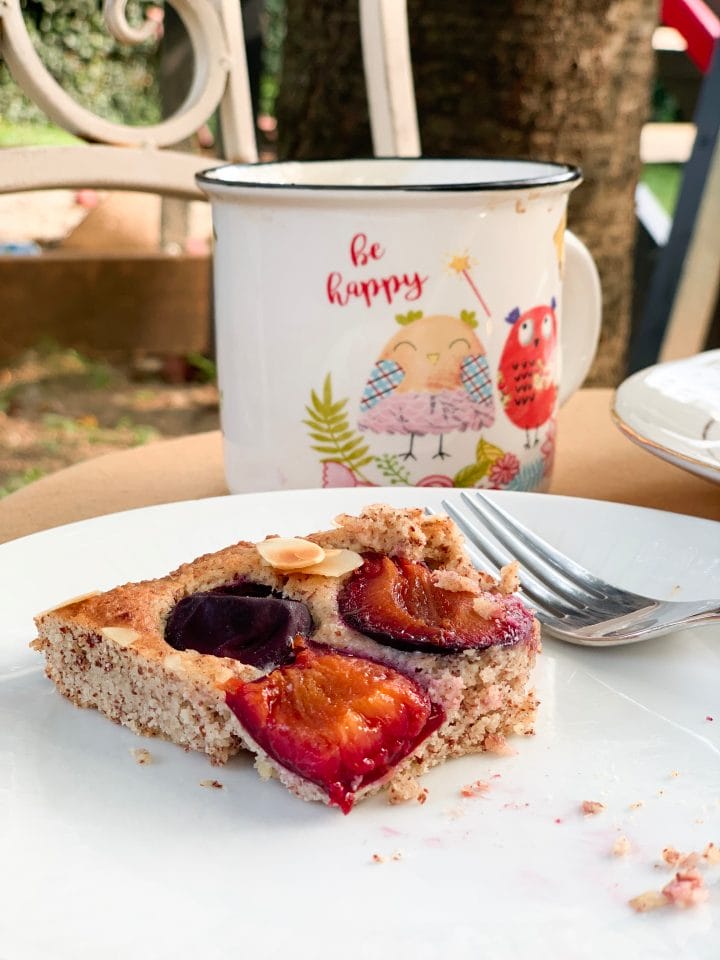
<point>397,321</point>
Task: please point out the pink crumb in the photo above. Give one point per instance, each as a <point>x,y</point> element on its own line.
<point>558,820</point>
<point>687,889</point>
<point>476,789</point>
<point>710,718</point>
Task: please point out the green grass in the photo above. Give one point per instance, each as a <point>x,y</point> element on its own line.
<point>34,135</point>
<point>18,480</point>
<point>663,179</point>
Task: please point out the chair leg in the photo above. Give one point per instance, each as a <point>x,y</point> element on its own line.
<point>646,344</point>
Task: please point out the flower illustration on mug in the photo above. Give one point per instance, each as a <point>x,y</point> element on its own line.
<point>547,449</point>
<point>504,470</point>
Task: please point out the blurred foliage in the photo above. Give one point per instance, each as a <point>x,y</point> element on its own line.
<point>664,105</point>
<point>18,480</point>
<point>116,81</point>
<point>664,179</point>
<point>274,23</point>
<point>32,135</point>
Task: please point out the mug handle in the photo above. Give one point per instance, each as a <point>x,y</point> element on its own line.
<point>581,315</point>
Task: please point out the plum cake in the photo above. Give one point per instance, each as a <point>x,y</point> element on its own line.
<point>345,661</point>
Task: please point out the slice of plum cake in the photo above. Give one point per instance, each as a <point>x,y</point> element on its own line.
<point>346,661</point>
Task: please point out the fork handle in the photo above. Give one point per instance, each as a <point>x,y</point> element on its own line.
<point>659,618</point>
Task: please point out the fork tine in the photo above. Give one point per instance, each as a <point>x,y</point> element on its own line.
<point>577,585</point>
<point>549,606</point>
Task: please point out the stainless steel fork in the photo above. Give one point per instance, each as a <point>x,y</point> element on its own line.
<point>569,601</point>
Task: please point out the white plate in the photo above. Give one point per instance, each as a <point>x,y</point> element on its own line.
<point>673,411</point>
<point>102,858</point>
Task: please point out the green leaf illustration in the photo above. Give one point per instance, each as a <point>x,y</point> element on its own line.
<point>405,318</point>
<point>469,476</point>
<point>389,465</point>
<point>486,451</point>
<point>329,426</point>
<point>468,317</point>
<point>486,455</point>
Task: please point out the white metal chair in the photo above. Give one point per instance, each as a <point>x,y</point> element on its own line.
<point>141,158</point>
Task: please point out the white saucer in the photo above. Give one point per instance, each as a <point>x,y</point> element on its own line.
<point>673,411</point>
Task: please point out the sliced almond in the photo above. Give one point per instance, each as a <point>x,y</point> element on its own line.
<point>122,636</point>
<point>173,663</point>
<point>336,563</point>
<point>290,553</point>
<point>70,601</point>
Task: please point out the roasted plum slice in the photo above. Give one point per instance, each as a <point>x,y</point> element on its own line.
<point>396,602</point>
<point>337,720</point>
<point>245,621</point>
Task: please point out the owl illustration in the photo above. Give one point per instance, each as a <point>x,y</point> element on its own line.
<point>431,377</point>
<point>528,390</point>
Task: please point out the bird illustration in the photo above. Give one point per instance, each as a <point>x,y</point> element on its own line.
<point>526,380</point>
<point>432,377</point>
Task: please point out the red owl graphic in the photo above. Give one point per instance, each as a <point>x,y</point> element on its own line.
<point>528,390</point>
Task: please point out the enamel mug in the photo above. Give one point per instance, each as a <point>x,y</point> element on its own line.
<point>397,321</point>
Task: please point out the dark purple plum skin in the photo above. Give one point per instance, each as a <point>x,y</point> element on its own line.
<point>245,621</point>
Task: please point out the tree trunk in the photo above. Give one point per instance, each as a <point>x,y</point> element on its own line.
<point>568,80</point>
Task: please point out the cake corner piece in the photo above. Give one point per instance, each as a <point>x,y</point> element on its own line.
<point>347,660</point>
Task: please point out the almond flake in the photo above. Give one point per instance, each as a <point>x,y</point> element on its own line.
<point>336,563</point>
<point>70,602</point>
<point>122,636</point>
<point>290,553</point>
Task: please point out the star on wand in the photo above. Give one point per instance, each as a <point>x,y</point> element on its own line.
<point>462,266</point>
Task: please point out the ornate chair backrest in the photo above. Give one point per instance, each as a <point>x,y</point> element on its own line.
<point>138,158</point>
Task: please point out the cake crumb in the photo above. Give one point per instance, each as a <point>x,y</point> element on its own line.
<point>475,789</point>
<point>403,789</point>
<point>711,854</point>
<point>621,847</point>
<point>397,855</point>
<point>496,743</point>
<point>687,889</point>
<point>377,858</point>
<point>671,856</point>
<point>637,804</point>
<point>454,582</point>
<point>486,607</point>
<point>142,756</point>
<point>592,807</point>
<point>674,773</point>
<point>650,900</point>
<point>214,784</point>
<point>263,768</point>
<point>509,578</point>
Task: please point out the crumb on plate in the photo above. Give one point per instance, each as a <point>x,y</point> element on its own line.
<point>621,847</point>
<point>687,889</point>
<point>475,789</point>
<point>213,784</point>
<point>592,807</point>
<point>141,756</point>
<point>650,900</point>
